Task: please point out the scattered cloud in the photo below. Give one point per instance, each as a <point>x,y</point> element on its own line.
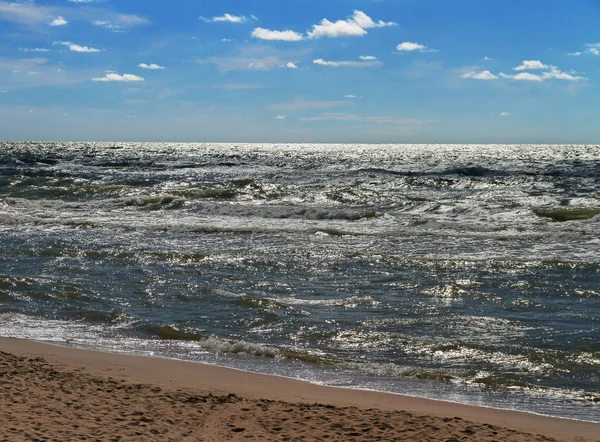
<point>107,25</point>
<point>354,26</point>
<point>266,34</point>
<point>82,1</point>
<point>224,18</point>
<point>559,75</point>
<point>483,75</point>
<point>351,64</point>
<point>113,76</point>
<point>130,20</point>
<point>487,59</point>
<point>280,117</point>
<point>531,65</point>
<point>574,54</point>
<point>291,65</point>
<point>23,13</point>
<point>57,21</point>
<point>238,86</point>
<point>34,50</point>
<point>504,114</point>
<point>303,104</point>
<point>409,46</point>
<point>75,47</point>
<point>367,57</point>
<point>593,48</point>
<point>152,66</point>
<point>226,64</point>
<point>350,96</point>
<point>386,120</point>
<point>523,76</point>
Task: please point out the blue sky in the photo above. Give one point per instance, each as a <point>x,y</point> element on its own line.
<point>397,71</point>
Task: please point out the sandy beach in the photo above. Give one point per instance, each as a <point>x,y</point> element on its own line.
<point>50,392</point>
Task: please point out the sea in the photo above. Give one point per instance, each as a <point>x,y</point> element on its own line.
<point>465,273</point>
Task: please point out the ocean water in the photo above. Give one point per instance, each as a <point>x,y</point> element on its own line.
<point>468,273</point>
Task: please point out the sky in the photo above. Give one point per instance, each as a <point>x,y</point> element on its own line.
<point>347,71</point>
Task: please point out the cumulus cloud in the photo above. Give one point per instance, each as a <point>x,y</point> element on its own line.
<point>559,75</point>
<point>266,34</point>
<point>57,21</point>
<point>113,76</point>
<point>75,47</point>
<point>531,65</point>
<point>523,76</point>
<point>483,75</point>
<point>291,65</point>
<point>409,46</point>
<point>152,66</point>
<point>367,57</point>
<point>225,18</point>
<point>280,117</point>
<point>352,64</point>
<point>354,26</point>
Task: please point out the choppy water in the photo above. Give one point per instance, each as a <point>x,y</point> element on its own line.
<point>460,272</point>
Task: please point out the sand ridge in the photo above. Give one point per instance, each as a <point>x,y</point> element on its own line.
<point>40,401</point>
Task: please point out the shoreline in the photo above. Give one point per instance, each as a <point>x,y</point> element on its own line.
<point>196,378</point>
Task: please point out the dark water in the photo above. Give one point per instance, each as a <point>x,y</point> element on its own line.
<point>461,272</point>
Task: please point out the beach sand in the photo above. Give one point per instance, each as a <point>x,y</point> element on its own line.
<point>51,392</point>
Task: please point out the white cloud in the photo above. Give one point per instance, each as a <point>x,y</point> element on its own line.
<point>352,64</point>
<point>303,104</point>
<point>367,57</point>
<point>593,48</point>
<point>483,75</point>
<point>34,50</point>
<point>487,59</point>
<point>130,20</point>
<point>266,34</point>
<point>152,66</point>
<point>559,75</point>
<point>112,76</point>
<point>57,21</point>
<point>225,18</point>
<point>291,65</point>
<point>25,14</point>
<point>258,62</point>
<point>504,114</point>
<point>75,47</point>
<point>529,65</point>
<point>409,46</point>
<point>553,73</point>
<point>107,25</point>
<point>573,54</point>
<point>81,1</point>
<point>280,117</point>
<point>354,26</point>
<point>523,76</point>
<point>350,96</point>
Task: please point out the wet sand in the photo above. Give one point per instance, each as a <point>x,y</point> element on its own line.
<point>49,392</point>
